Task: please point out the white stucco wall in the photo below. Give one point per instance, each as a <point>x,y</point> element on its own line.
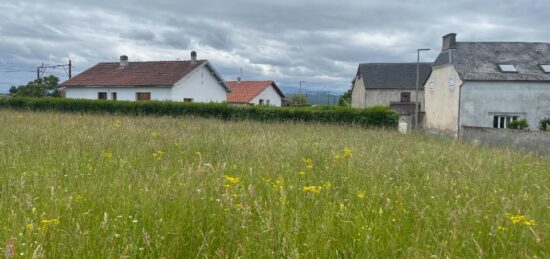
<point>123,94</point>
<point>200,85</point>
<point>481,101</point>
<point>268,94</point>
<point>442,100</point>
<point>358,94</point>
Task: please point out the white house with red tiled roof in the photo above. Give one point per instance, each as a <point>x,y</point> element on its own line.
<point>254,93</point>
<point>185,81</point>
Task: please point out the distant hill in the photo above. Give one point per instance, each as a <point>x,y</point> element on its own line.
<point>314,97</point>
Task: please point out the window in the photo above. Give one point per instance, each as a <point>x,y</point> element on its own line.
<point>267,102</point>
<point>143,96</point>
<point>113,96</point>
<point>432,85</point>
<point>452,83</point>
<point>405,97</point>
<point>102,95</point>
<point>261,101</point>
<point>545,68</point>
<point>507,68</point>
<point>187,100</point>
<point>502,121</point>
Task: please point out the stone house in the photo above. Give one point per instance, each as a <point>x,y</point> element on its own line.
<point>184,81</point>
<point>389,83</point>
<point>487,84</point>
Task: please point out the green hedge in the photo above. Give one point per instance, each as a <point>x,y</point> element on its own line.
<point>370,117</point>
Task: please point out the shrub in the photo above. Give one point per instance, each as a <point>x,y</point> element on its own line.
<point>544,124</point>
<point>382,117</point>
<point>518,124</point>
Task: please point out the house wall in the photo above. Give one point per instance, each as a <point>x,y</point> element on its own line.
<point>442,101</point>
<point>123,94</point>
<point>383,97</point>
<point>358,94</point>
<point>480,101</point>
<point>268,94</point>
<point>200,85</point>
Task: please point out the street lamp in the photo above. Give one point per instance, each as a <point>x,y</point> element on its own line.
<point>301,91</point>
<point>416,108</point>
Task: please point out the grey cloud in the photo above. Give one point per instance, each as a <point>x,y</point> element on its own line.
<point>284,40</point>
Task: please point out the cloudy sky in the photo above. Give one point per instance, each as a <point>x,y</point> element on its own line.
<point>320,42</point>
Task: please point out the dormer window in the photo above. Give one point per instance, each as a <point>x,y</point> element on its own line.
<point>507,68</point>
<point>545,68</point>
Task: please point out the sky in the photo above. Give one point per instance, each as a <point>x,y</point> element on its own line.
<point>320,42</point>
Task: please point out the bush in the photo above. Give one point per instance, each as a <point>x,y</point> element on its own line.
<point>371,117</point>
<point>518,124</point>
<point>544,124</point>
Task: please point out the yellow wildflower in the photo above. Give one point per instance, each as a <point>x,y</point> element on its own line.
<point>233,180</point>
<point>327,185</point>
<point>361,194</point>
<point>335,159</point>
<point>47,222</point>
<point>117,124</point>
<point>158,155</point>
<point>29,226</point>
<point>20,117</point>
<point>346,153</point>
<point>279,183</point>
<point>309,163</point>
<point>301,173</point>
<point>521,219</point>
<point>312,189</point>
<point>107,154</point>
<point>155,134</point>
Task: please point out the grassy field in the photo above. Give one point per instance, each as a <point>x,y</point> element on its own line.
<point>102,186</point>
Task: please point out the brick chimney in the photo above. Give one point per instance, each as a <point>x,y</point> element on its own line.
<point>449,42</point>
<point>123,62</point>
<point>193,57</point>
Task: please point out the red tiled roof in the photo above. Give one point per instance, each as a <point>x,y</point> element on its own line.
<point>245,91</point>
<point>153,73</point>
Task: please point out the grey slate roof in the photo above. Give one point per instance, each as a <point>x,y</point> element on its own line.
<point>478,61</point>
<point>393,75</point>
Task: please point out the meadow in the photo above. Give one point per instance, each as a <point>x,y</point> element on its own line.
<point>112,186</point>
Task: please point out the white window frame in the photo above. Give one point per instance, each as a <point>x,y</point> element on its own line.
<point>507,68</point>
<point>545,68</point>
<point>502,120</point>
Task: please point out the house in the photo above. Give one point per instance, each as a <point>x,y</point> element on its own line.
<point>387,83</point>
<point>487,84</point>
<point>186,81</point>
<point>254,93</point>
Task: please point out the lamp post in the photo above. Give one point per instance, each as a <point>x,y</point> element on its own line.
<point>416,108</point>
<point>301,91</point>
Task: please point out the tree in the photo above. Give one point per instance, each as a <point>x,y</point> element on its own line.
<point>45,86</point>
<point>345,100</point>
<point>298,99</point>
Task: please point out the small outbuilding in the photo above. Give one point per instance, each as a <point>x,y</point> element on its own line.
<point>254,93</point>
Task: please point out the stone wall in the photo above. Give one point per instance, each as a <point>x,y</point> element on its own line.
<point>535,141</point>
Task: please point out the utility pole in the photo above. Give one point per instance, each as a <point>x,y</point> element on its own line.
<point>416,108</point>
<point>301,91</point>
<point>42,69</point>
<point>70,69</point>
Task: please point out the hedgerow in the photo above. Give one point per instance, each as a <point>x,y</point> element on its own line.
<point>369,117</point>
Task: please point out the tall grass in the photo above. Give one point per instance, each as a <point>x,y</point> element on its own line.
<point>112,186</point>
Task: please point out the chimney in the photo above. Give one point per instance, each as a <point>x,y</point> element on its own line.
<point>449,42</point>
<point>123,62</point>
<point>193,57</point>
<point>238,80</point>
